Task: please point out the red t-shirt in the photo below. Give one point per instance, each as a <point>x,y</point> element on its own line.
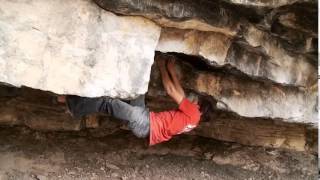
<point>163,125</point>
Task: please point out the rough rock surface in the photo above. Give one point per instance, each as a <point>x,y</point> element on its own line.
<point>75,47</point>
<point>245,96</point>
<point>203,15</point>
<point>268,3</point>
<point>272,62</point>
<point>212,46</point>
<point>255,61</point>
<point>37,110</point>
<point>279,45</point>
<point>281,66</point>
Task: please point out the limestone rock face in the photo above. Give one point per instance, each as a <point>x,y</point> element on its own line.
<point>254,99</point>
<point>283,66</point>
<point>75,47</point>
<point>212,46</point>
<point>244,96</point>
<point>203,15</point>
<point>279,43</point>
<point>267,3</point>
<point>254,59</point>
<point>262,56</point>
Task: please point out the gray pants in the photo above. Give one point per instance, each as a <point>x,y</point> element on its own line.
<point>135,113</point>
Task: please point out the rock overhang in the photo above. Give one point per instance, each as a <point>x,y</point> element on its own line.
<point>74,47</point>
<point>97,53</point>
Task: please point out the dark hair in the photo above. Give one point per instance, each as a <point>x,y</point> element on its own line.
<point>206,108</point>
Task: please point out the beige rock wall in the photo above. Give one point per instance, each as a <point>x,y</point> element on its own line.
<point>75,47</point>
<point>257,61</point>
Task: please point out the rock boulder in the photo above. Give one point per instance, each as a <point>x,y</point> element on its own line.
<point>75,47</point>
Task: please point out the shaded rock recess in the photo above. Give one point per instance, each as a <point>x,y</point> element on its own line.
<point>255,62</point>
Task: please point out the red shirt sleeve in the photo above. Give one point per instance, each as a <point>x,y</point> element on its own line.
<point>190,109</point>
<point>164,125</point>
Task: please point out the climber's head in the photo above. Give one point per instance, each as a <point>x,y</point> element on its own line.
<point>204,103</point>
<point>194,98</point>
<point>206,108</point>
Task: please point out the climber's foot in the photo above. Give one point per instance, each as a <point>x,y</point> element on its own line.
<point>61,99</point>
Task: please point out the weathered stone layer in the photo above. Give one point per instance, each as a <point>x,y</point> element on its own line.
<point>37,110</point>
<point>212,46</point>
<point>203,15</point>
<point>92,52</point>
<point>264,57</point>
<point>39,51</point>
<point>75,47</point>
<point>245,96</point>
<point>283,66</point>
<point>268,3</point>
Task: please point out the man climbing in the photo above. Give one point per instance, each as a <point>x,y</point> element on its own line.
<point>159,126</point>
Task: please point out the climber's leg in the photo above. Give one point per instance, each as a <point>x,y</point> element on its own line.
<point>136,116</point>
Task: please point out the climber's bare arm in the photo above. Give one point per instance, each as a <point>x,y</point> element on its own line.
<point>168,83</point>
<point>174,77</point>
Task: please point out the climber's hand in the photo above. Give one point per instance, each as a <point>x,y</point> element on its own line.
<point>161,62</point>
<point>171,63</point>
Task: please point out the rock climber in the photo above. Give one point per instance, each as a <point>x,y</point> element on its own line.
<point>159,126</point>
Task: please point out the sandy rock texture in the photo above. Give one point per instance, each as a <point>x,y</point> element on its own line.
<point>254,59</point>
<point>37,110</point>
<point>75,47</point>
<point>267,3</point>
<point>244,96</point>
<point>276,40</point>
<point>203,15</point>
<point>272,62</point>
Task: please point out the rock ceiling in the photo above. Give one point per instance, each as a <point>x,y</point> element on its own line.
<point>261,56</point>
